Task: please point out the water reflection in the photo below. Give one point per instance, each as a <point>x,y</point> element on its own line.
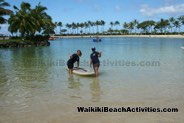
<point>25,66</point>
<point>74,85</point>
<point>95,90</point>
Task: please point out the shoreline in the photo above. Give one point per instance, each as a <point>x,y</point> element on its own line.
<point>129,36</point>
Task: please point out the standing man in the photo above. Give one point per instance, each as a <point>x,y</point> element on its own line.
<point>94,60</point>
<point>73,59</point>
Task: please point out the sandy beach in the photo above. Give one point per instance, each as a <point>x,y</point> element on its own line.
<point>136,36</point>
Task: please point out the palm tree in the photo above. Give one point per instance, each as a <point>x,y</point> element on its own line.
<point>56,23</point>
<point>102,24</point>
<point>112,24</point>
<point>146,26</point>
<point>176,24</point>
<point>21,21</point>
<point>86,25</point>
<point>181,18</point>
<point>162,25</point>
<point>93,24</point>
<point>4,11</point>
<point>60,25</point>
<point>74,26</point>
<point>135,24</point>
<point>131,26</point>
<point>78,26</point>
<point>116,23</point>
<point>41,19</point>
<point>28,21</point>
<point>90,24</point>
<point>47,30</point>
<point>149,25</point>
<point>81,26</point>
<point>181,21</point>
<point>125,25</point>
<point>98,23</point>
<point>69,26</point>
<point>171,20</point>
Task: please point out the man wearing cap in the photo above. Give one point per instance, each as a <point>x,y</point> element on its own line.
<point>73,59</point>
<point>94,60</point>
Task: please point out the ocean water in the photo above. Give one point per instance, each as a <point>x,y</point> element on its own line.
<point>134,72</point>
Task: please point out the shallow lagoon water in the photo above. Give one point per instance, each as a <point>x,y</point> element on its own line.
<point>135,72</point>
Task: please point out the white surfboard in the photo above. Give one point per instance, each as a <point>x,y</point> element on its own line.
<point>82,71</point>
<point>182,47</point>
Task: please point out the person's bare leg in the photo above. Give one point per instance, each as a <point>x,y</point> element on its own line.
<point>70,71</point>
<point>96,71</point>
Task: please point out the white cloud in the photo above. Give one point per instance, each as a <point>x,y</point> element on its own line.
<point>117,8</point>
<point>172,9</point>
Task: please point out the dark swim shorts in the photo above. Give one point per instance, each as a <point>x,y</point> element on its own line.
<point>96,65</point>
<point>70,65</point>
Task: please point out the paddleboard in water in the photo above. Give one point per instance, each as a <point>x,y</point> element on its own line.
<point>97,40</point>
<point>182,47</point>
<point>82,71</point>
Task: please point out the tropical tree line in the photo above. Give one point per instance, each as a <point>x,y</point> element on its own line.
<point>163,26</point>
<point>83,27</point>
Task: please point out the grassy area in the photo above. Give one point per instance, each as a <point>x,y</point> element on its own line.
<point>10,40</point>
<point>33,39</point>
<point>8,43</point>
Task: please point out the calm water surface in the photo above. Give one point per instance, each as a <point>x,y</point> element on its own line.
<point>135,72</point>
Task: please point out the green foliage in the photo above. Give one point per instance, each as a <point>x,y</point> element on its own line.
<point>4,11</point>
<point>162,25</point>
<point>28,21</point>
<point>146,26</point>
<point>37,38</point>
<point>33,38</point>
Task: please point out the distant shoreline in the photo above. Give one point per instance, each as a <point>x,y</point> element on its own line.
<point>136,36</point>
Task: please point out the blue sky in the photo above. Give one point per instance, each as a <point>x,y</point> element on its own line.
<point>68,11</point>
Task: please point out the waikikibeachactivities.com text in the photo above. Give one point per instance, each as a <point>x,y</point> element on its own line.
<point>105,63</point>
<point>125,109</point>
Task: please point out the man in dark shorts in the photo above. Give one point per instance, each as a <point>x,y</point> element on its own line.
<point>73,59</point>
<point>94,60</point>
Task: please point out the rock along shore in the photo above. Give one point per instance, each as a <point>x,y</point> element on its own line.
<point>23,44</point>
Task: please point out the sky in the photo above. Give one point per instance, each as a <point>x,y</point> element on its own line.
<point>68,11</point>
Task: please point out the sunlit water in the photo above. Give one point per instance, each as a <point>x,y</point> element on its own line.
<point>35,86</point>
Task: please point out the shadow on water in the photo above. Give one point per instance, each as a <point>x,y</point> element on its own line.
<point>87,88</point>
<point>74,85</point>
